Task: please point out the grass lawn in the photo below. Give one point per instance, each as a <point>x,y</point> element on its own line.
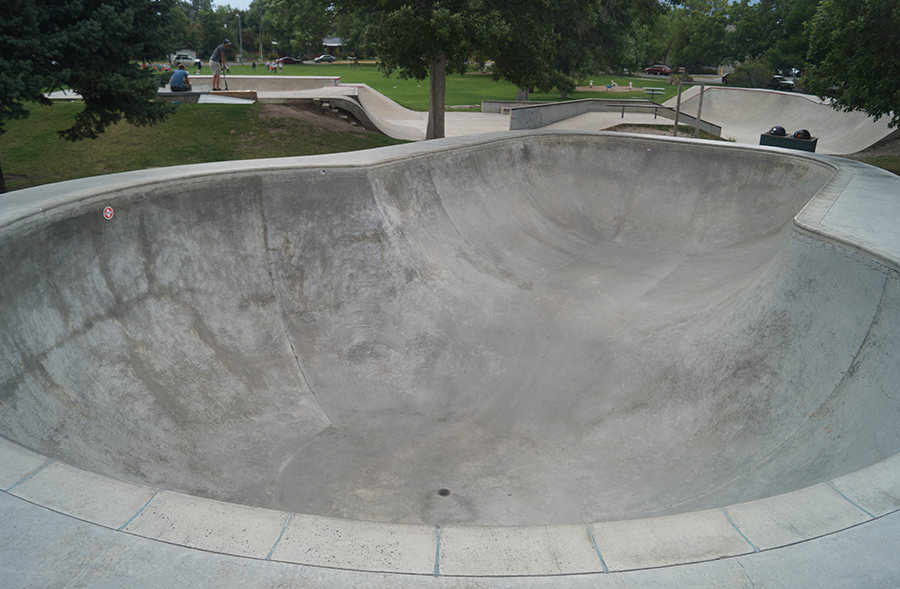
<point>32,153</point>
<point>891,163</point>
<point>469,89</point>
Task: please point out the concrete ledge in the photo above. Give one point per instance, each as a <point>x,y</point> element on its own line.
<point>267,83</point>
<point>535,117</point>
<point>505,106</point>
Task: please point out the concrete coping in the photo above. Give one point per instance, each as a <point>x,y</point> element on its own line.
<point>452,550</point>
<point>598,547</point>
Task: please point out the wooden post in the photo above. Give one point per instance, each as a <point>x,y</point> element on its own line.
<point>434,129</point>
<point>677,109</point>
<point>699,111</point>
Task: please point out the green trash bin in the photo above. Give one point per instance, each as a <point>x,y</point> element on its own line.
<point>788,141</point>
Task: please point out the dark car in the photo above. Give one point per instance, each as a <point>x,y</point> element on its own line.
<point>659,70</point>
<point>290,60</point>
<point>780,83</point>
<point>325,59</point>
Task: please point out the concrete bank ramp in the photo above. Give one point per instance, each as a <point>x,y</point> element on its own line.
<point>745,113</point>
<point>518,329</point>
<point>391,118</point>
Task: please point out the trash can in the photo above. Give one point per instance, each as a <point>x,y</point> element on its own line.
<point>778,137</point>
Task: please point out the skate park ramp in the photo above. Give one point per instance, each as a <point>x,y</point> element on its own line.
<point>513,330</point>
<point>745,113</point>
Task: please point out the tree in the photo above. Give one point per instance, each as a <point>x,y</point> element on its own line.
<point>521,40</point>
<point>698,33</point>
<point>214,28</point>
<point>597,35</point>
<point>304,22</point>
<point>853,52</point>
<point>752,74</point>
<point>84,46</point>
<point>185,33</point>
<point>423,39</point>
<point>659,37</point>
<point>351,26</point>
<point>772,30</point>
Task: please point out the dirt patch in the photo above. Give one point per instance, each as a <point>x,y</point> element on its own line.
<point>644,129</point>
<point>887,147</point>
<point>311,114</point>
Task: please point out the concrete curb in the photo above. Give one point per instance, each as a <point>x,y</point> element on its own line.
<point>453,550</point>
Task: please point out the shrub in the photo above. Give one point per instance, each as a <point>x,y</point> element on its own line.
<point>752,74</point>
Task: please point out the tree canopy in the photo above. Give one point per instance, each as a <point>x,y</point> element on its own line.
<point>853,54</point>
<point>771,30</point>
<point>84,46</point>
<point>698,32</point>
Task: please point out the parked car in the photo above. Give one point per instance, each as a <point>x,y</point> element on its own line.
<point>325,59</point>
<point>290,60</point>
<point>781,83</point>
<point>185,60</point>
<point>659,70</point>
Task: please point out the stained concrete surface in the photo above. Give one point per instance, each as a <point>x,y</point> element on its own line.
<point>545,327</point>
<point>557,328</point>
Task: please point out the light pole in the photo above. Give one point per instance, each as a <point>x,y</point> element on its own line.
<point>241,38</point>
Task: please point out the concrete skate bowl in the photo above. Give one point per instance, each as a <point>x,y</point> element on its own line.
<point>745,113</point>
<point>514,334</point>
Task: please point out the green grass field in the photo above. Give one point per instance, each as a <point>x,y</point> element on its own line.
<point>32,153</point>
<point>469,89</point>
<point>891,163</point>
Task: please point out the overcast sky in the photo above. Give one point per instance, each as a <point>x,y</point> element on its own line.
<point>239,4</point>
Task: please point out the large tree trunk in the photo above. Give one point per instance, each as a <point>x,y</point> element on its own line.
<point>435,129</point>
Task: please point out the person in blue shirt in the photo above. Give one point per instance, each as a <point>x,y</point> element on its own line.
<point>179,81</point>
<point>217,62</point>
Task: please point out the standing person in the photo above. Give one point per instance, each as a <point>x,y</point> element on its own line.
<point>179,81</point>
<point>217,62</point>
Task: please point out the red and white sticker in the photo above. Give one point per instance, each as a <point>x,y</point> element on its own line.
<point>108,213</point>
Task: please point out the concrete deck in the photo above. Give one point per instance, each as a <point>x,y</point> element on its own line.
<point>584,357</point>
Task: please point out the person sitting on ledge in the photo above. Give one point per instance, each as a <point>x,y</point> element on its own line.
<point>179,81</point>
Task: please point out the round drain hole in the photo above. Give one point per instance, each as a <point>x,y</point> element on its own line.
<point>444,492</point>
